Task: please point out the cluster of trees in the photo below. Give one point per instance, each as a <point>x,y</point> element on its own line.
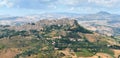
<point>76,46</point>
<point>9,33</point>
<point>80,29</point>
<point>114,47</point>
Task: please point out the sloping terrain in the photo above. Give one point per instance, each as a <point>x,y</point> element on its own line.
<point>62,38</point>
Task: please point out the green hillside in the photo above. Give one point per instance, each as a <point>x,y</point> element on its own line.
<point>52,39</point>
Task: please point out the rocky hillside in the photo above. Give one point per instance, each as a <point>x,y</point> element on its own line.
<point>63,38</point>
<point>43,23</point>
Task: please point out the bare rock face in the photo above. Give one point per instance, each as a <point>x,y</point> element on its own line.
<point>45,22</point>
<point>62,21</point>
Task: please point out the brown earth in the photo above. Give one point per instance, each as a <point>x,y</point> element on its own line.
<point>91,37</point>
<point>9,53</point>
<point>68,53</point>
<point>117,53</point>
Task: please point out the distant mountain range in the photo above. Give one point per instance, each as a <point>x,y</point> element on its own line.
<point>103,12</point>
<point>102,15</point>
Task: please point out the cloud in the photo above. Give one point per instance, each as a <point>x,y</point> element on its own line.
<point>6,3</point>
<point>50,4</point>
<point>34,4</point>
<point>59,4</point>
<point>72,2</point>
<point>106,3</point>
<point>68,2</point>
<point>90,3</point>
<point>72,8</point>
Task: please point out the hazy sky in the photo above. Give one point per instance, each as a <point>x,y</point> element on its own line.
<point>26,7</point>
